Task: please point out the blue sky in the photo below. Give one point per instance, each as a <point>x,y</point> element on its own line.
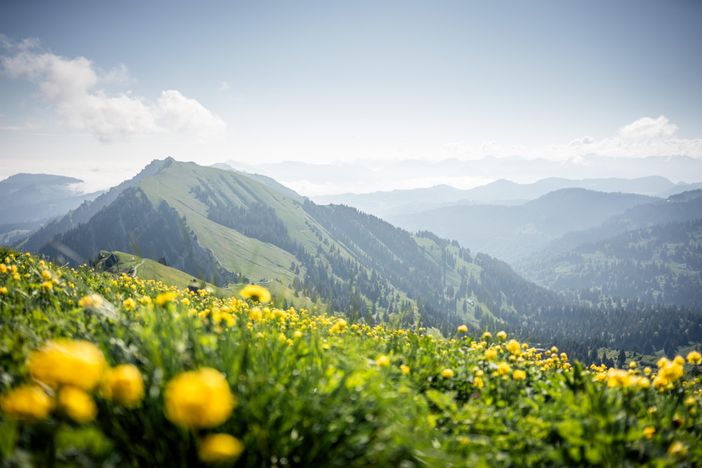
<point>326,81</point>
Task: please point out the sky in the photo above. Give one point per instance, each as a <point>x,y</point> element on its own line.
<point>98,89</point>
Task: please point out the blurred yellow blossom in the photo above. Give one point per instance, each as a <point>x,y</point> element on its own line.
<point>199,399</point>
<point>67,362</point>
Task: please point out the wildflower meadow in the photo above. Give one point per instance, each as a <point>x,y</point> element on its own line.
<point>105,370</point>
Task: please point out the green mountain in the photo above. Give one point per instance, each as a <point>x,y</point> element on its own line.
<point>225,227</point>
<point>652,252</point>
<point>512,232</point>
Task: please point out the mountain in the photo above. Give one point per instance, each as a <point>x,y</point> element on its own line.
<point>499,192</point>
<point>84,212</point>
<point>652,253</point>
<point>358,177</point>
<point>224,226</point>
<point>511,232</point>
<point>29,200</point>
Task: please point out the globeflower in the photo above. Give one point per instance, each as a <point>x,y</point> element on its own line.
<point>513,347</point>
<point>124,385</point>
<point>220,448</point>
<point>404,369</point>
<point>503,368</point>
<point>67,362</point>
<point>28,403</point>
<point>447,373</point>
<point>463,329</point>
<point>256,293</point>
<point>491,354</point>
<point>501,335</point>
<point>129,304</point>
<point>3,289</point>
<point>383,361</point>
<point>77,404</point>
<point>166,298</point>
<point>487,335</point>
<point>519,374</point>
<point>199,399</point>
<point>694,357</point>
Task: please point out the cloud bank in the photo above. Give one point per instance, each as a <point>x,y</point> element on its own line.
<point>75,88</point>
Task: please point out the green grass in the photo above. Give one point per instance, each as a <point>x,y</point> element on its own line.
<point>312,390</point>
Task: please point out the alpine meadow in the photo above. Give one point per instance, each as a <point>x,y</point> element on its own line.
<point>321,234</point>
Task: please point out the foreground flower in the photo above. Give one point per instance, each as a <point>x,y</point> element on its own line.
<point>694,357</point>
<point>519,374</point>
<point>166,298</point>
<point>383,361</point>
<point>77,404</point>
<point>220,448</point>
<point>199,399</point>
<point>256,293</point>
<point>513,347</point>
<point>67,362</point>
<point>28,402</point>
<point>447,373</point>
<point>124,385</point>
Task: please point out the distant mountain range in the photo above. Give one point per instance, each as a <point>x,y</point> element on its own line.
<point>651,252</point>
<point>511,232</point>
<point>29,200</point>
<point>369,176</point>
<point>394,203</point>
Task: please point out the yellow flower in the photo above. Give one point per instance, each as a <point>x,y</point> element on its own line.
<point>447,373</point>
<point>124,384</point>
<point>166,298</point>
<point>677,449</point>
<point>46,275</point>
<point>47,285</point>
<point>383,361</point>
<point>679,360</point>
<point>519,375</point>
<point>3,289</point>
<point>28,402</point>
<point>129,304</point>
<point>145,300</point>
<point>491,354</point>
<point>478,382</point>
<point>463,329</point>
<point>501,335</point>
<point>513,347</point>
<point>199,399</point>
<point>256,293</point>
<point>338,327</point>
<point>503,368</point>
<point>487,335</point>
<point>694,357</point>
<point>405,369</point>
<point>77,404</point>
<point>3,268</point>
<point>220,448</point>
<point>672,371</point>
<point>633,365</point>
<point>649,432</point>
<point>67,362</point>
<point>93,300</point>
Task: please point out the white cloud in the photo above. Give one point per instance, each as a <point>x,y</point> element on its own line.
<point>649,128</point>
<point>75,88</point>
<point>647,136</point>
